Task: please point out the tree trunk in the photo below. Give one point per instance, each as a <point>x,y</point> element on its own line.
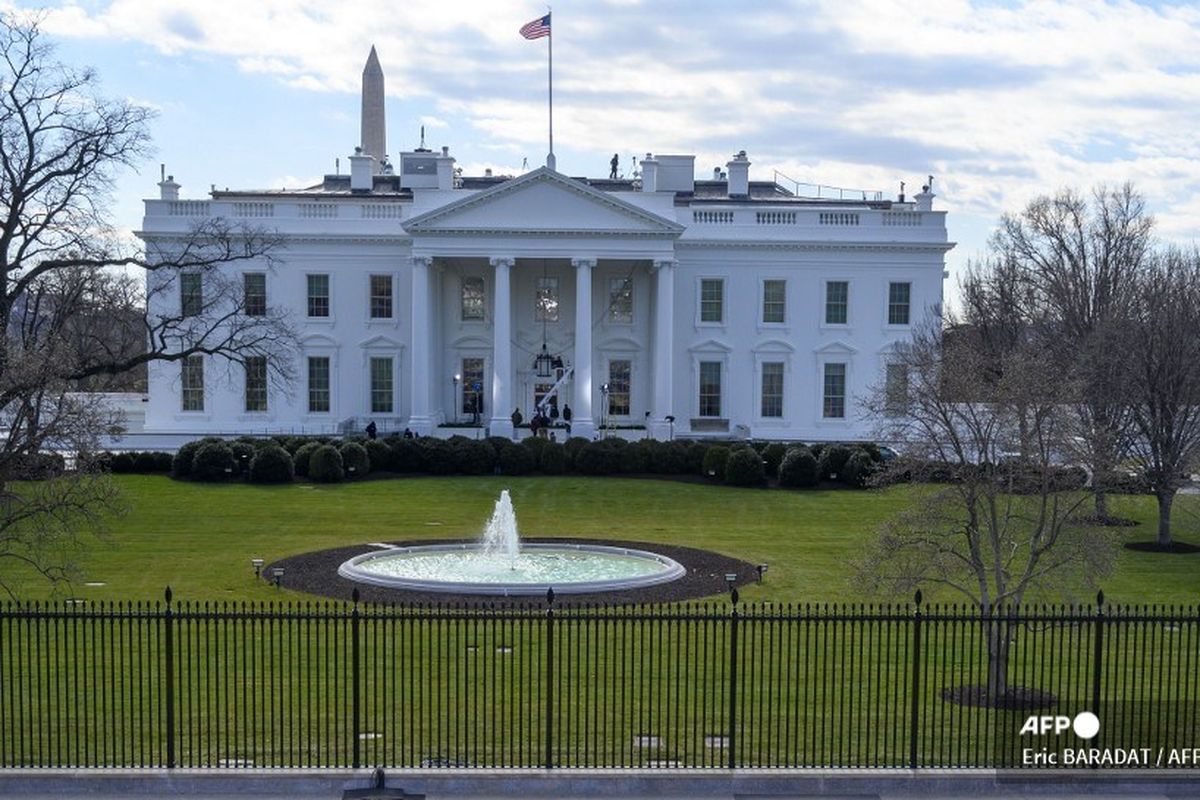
<point>997,678</point>
<point>1101,498</point>
<point>1165,499</point>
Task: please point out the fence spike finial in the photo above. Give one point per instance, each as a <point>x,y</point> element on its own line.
<point>550,596</point>
<point>917,597</point>
<point>1099,598</point>
<point>354,596</point>
<point>733,595</point>
<point>168,594</point>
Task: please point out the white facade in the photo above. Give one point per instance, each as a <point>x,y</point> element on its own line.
<point>730,305</point>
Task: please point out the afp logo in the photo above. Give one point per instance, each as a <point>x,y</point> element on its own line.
<point>1085,724</point>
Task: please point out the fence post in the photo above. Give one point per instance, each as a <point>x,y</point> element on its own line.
<point>733,676</point>
<point>355,686</point>
<point>915,701</point>
<point>548,689</point>
<point>169,699</point>
<point>1098,652</point>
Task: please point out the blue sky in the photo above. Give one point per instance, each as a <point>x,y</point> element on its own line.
<point>1000,101</point>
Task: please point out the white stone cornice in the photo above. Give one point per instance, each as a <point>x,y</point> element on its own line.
<point>547,232</point>
<point>502,261</point>
<point>874,247</point>
<point>287,238</point>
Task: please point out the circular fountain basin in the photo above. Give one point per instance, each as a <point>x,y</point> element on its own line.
<point>467,569</point>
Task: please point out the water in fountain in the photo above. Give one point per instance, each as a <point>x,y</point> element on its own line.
<point>500,536</point>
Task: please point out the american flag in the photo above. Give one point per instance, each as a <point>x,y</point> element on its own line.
<point>537,29</point>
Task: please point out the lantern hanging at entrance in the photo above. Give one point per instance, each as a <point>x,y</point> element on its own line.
<point>543,364</point>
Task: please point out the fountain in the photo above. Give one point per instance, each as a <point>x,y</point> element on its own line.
<point>499,564</point>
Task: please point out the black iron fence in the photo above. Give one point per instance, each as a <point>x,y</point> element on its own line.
<point>225,685</point>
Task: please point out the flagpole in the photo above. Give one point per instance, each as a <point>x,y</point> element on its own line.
<point>550,87</point>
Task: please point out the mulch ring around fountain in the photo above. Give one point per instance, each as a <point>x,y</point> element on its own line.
<point>317,573</point>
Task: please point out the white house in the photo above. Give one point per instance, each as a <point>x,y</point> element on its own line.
<point>720,306</point>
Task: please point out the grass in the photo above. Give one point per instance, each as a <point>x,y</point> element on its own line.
<point>198,538</point>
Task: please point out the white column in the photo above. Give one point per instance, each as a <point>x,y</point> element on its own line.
<point>419,419</point>
<point>664,328</point>
<point>582,423</point>
<point>500,423</point>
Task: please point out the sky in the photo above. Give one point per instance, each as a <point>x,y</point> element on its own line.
<point>999,101</point>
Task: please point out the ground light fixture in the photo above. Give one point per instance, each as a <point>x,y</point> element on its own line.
<point>730,579</point>
<point>257,563</point>
<point>277,576</point>
<point>761,569</point>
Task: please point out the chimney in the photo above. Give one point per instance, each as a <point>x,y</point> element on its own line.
<point>925,199</point>
<point>374,127</point>
<point>168,188</point>
<point>739,175</point>
<point>362,171</point>
<point>649,174</point>
<point>445,169</point>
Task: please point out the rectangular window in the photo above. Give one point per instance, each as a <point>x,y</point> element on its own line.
<point>191,294</point>
<point>837,302</point>
<point>318,295</point>
<point>772,389</point>
<point>896,390</point>
<point>546,304</point>
<point>192,381</point>
<point>620,300</point>
<point>318,384</point>
<point>472,386</point>
<point>619,380</point>
<point>472,299</point>
<point>898,302</point>
<point>381,386</point>
<point>256,383</point>
<point>381,297</point>
<point>710,388</point>
<point>712,300</point>
<point>254,285</point>
<point>835,391</point>
<point>774,304</point>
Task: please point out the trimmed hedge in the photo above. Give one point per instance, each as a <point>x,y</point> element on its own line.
<point>715,459</point>
<point>474,457</point>
<point>303,456</point>
<point>407,455</point>
<point>121,463</point>
<point>355,461</point>
<point>744,467</point>
<point>379,454</point>
<point>516,461</point>
<point>798,469</point>
<point>858,469</point>
<point>832,461</point>
<point>552,460</point>
<point>214,462</point>
<point>325,465</point>
<point>773,454</point>
<point>438,455</point>
<point>272,464</point>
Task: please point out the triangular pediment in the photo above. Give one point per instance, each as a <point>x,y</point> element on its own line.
<point>542,202</point>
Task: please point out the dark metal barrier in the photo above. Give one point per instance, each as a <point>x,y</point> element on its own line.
<point>203,685</point>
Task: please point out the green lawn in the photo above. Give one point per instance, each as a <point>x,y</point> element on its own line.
<point>198,538</point>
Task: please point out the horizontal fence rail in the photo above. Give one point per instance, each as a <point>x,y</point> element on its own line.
<point>204,685</point>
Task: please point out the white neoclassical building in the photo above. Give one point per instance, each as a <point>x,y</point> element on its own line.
<point>721,306</point>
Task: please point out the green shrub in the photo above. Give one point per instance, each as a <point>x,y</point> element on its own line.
<point>474,457</point>
<point>498,443</point>
<point>437,455</point>
<point>634,458</point>
<point>536,444</point>
<point>144,463</point>
<point>715,459</point>
<point>571,448</point>
<point>858,469</point>
<point>654,454</point>
<point>214,462</point>
<point>598,458</point>
<point>798,468</point>
<point>294,443</point>
<point>552,460</point>
<point>272,464</point>
<point>181,465</point>
<point>243,453</point>
<point>516,461</point>
<point>303,456</point>
<point>379,454</point>
<point>744,467</point>
<point>325,465</point>
<point>407,455</point>
<point>871,450</point>
<point>36,466</point>
<point>773,455</point>
<point>832,461</point>
<point>122,463</point>
<point>355,461</point>
<point>817,449</point>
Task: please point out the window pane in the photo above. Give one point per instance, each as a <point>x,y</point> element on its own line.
<point>381,386</point>
<point>192,380</point>
<point>472,298</point>
<point>256,383</point>
<point>472,385</point>
<point>191,294</point>
<point>619,379</point>
<point>772,389</point>
<point>774,301</point>
<point>381,297</point>
<point>835,391</point>
<point>620,300</point>
<point>318,384</point>
<point>712,291</point>
<point>837,297</point>
<point>710,388</point>
<point>255,285</point>
<point>318,295</point>
<point>896,389</point>
<point>898,302</point>
<point>546,304</point>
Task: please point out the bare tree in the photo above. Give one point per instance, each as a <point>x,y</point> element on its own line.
<point>73,295</point>
<point>993,529</point>
<point>1079,261</point>
<point>1165,360</point>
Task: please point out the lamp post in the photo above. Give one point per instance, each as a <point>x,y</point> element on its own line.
<point>670,427</point>
<point>454,394</point>
<point>603,410</point>
<point>257,563</point>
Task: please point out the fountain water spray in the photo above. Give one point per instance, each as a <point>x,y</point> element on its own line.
<point>500,538</point>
